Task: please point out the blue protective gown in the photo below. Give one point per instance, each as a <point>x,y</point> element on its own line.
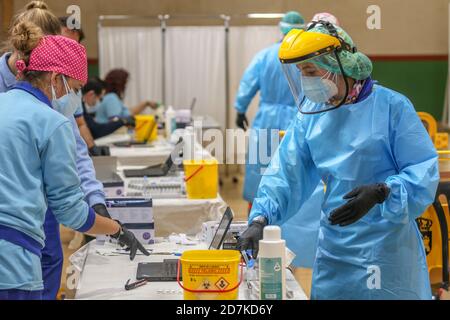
<point>276,110</point>
<point>276,106</point>
<point>379,139</point>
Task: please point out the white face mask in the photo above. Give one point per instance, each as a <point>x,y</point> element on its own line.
<point>319,89</point>
<point>68,104</point>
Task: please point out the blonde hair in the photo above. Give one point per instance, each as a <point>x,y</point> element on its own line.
<point>25,37</point>
<point>39,13</point>
<point>36,12</point>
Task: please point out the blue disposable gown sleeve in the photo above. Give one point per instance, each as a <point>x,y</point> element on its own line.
<point>61,181</point>
<point>249,85</point>
<point>414,187</point>
<point>290,179</point>
<point>92,188</point>
<point>79,112</point>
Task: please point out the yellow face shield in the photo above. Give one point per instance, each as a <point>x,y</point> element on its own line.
<point>299,46</point>
<point>302,55</point>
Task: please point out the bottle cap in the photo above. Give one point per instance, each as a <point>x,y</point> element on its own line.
<point>272,233</point>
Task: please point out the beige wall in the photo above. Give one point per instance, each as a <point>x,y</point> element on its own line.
<point>418,27</point>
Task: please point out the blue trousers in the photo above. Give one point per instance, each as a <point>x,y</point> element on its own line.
<point>52,257</point>
<point>14,294</point>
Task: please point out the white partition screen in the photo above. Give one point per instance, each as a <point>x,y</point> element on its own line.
<point>137,50</point>
<point>195,64</point>
<point>195,68</point>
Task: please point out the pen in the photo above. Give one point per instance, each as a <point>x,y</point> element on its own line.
<point>134,285</point>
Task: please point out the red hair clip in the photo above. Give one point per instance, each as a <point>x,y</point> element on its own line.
<point>21,66</point>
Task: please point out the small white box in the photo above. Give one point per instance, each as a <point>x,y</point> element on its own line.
<point>114,189</point>
<point>135,214</point>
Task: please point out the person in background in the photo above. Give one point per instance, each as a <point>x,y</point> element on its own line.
<point>112,108</point>
<point>70,31</point>
<point>276,111</point>
<point>325,16</point>
<point>380,167</point>
<point>37,152</point>
<point>52,258</point>
<point>276,105</point>
<point>93,93</point>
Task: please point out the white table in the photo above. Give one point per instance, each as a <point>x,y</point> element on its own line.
<point>207,122</point>
<point>141,155</point>
<point>104,277</point>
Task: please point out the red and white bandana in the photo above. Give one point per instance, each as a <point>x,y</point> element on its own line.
<point>58,54</point>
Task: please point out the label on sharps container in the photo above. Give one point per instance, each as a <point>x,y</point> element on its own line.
<point>271,279</point>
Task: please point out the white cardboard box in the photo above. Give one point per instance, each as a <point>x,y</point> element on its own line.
<point>135,214</point>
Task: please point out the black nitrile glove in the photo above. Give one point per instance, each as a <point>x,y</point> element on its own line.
<point>241,121</point>
<point>250,237</point>
<point>100,208</point>
<point>127,239</point>
<point>360,201</point>
<point>96,151</point>
<point>129,121</point>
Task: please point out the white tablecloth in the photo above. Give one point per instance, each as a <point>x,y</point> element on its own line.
<point>104,277</point>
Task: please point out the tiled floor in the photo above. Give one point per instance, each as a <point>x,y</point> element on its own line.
<point>231,191</point>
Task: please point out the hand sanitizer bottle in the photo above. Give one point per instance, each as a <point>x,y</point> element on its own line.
<point>272,265</point>
<point>170,121</point>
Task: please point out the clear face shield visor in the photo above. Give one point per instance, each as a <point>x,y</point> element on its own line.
<point>315,89</point>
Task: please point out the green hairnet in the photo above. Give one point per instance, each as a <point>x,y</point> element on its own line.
<point>292,20</point>
<point>356,65</point>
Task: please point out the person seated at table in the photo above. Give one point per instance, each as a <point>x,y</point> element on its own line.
<point>112,106</point>
<point>93,93</point>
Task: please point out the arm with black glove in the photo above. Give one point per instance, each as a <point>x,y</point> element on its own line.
<point>100,208</point>
<point>241,121</point>
<point>129,121</point>
<point>127,239</point>
<point>96,151</point>
<point>250,237</point>
<point>360,201</point>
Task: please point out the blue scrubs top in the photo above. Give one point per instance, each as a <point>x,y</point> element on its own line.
<point>7,78</point>
<point>38,171</point>
<point>110,107</point>
<point>92,188</point>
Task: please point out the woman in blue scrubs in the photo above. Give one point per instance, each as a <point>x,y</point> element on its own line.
<point>37,152</point>
<point>52,254</point>
<point>112,106</point>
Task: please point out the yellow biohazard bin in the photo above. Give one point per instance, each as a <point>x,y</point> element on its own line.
<point>210,274</point>
<point>202,178</point>
<point>146,128</point>
<point>430,230</point>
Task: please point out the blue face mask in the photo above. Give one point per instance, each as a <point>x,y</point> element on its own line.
<point>318,90</point>
<point>68,104</point>
<point>92,109</point>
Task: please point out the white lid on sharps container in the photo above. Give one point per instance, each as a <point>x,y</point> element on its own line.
<point>272,233</point>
